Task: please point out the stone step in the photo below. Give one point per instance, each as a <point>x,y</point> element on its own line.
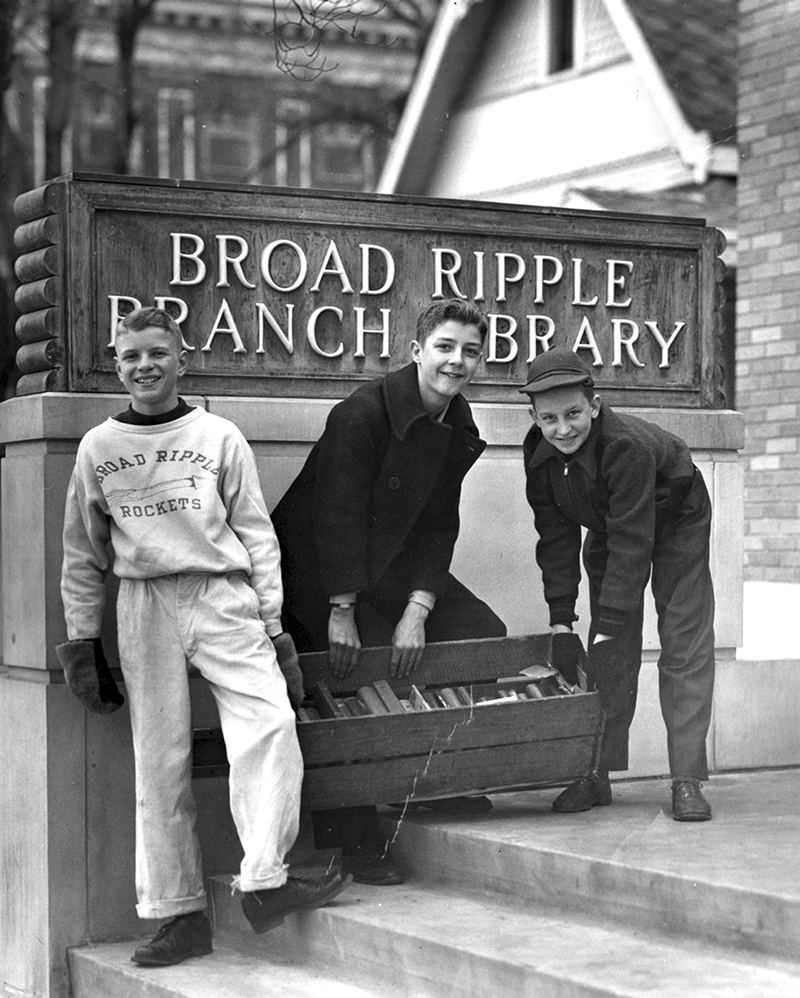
<point>730,881</point>
<point>105,971</point>
<point>426,941</point>
<point>617,902</point>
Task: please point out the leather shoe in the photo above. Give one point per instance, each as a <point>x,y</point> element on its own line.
<point>371,864</point>
<point>585,793</point>
<point>688,802</point>
<point>184,936</point>
<point>266,909</point>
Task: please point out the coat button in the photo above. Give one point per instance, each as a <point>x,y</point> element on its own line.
<point>394,484</point>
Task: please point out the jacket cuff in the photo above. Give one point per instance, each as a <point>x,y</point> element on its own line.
<point>562,612</point>
<point>610,620</point>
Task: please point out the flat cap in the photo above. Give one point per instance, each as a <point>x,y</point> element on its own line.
<point>557,368</point>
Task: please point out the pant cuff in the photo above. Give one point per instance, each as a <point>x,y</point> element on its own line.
<point>245,884</point>
<point>172,907</point>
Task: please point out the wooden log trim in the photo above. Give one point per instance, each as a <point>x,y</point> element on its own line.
<point>36,265</point>
<point>41,381</point>
<point>41,356</point>
<point>37,295</point>
<point>36,203</point>
<point>35,326</point>
<point>36,234</point>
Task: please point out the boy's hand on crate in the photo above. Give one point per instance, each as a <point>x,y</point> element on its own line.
<point>566,651</point>
<point>344,642</point>
<point>408,640</point>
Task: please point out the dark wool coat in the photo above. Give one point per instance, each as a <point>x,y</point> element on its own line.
<point>384,479</point>
<point>627,481</point>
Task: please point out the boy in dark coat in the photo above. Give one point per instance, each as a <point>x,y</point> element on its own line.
<point>647,512</point>
<point>367,532</point>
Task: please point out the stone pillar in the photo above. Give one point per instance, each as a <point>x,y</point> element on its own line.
<point>66,821</point>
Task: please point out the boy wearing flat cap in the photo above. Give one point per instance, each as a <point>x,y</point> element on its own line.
<point>633,486</point>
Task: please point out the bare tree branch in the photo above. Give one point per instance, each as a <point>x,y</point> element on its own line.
<point>300,29</point>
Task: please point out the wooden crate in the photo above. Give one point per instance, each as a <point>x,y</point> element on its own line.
<point>449,751</point>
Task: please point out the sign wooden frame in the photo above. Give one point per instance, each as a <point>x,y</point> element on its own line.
<point>639,296</point>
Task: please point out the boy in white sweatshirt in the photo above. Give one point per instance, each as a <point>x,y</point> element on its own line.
<point>176,492</point>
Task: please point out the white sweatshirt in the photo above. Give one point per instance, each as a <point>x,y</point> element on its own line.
<point>179,497</point>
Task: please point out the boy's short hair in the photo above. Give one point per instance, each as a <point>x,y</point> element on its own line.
<point>450,308</point>
<point>143,318</point>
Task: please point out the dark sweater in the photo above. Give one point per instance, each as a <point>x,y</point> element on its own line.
<point>627,481</point>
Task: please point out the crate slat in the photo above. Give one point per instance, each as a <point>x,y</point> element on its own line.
<point>526,764</point>
<point>333,742</point>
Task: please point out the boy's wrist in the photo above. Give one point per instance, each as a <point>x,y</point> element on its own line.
<point>416,609</point>
<point>423,598</point>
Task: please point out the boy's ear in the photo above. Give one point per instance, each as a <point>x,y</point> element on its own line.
<point>595,404</point>
<point>183,362</point>
<point>416,350</point>
<point>116,367</point>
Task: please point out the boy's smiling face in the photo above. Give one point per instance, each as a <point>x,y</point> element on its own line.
<point>149,362</point>
<point>564,415</point>
<point>446,362</point>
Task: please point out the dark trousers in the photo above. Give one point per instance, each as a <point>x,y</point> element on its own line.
<point>684,598</point>
<point>458,615</point>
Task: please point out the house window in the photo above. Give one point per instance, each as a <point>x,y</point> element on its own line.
<point>228,150</point>
<point>176,134</point>
<point>293,145</point>
<point>344,157</point>
<point>96,149</point>
<point>562,36</point>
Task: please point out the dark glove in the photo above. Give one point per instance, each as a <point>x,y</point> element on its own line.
<point>566,651</point>
<point>290,667</point>
<point>606,669</point>
<point>88,675</point>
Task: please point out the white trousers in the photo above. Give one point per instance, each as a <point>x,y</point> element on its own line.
<point>213,623</point>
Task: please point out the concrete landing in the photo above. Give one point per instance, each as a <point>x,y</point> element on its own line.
<point>619,901</point>
<point>734,879</point>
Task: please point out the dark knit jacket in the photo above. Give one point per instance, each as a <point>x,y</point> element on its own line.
<point>384,478</point>
<point>625,483</point>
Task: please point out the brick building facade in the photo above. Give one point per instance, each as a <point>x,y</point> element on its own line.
<point>768,286</point>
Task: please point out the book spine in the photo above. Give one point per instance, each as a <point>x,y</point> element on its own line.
<point>464,696</point>
<point>418,701</point>
<point>372,702</point>
<point>389,697</point>
<point>450,697</point>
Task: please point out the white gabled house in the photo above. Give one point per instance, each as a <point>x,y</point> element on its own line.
<point>627,105</point>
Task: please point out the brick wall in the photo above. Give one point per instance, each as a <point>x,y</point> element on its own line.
<point>768,285</point>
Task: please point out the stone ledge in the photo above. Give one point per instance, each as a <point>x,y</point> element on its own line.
<point>64,415</point>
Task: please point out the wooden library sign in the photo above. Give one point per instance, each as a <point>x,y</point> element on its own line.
<point>308,293</point>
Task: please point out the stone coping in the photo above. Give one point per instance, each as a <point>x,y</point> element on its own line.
<point>68,415</point>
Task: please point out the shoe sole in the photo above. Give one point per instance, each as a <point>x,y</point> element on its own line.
<point>197,951</point>
<point>376,882</point>
<point>691,817</point>
<point>273,923</point>
<point>578,810</point>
